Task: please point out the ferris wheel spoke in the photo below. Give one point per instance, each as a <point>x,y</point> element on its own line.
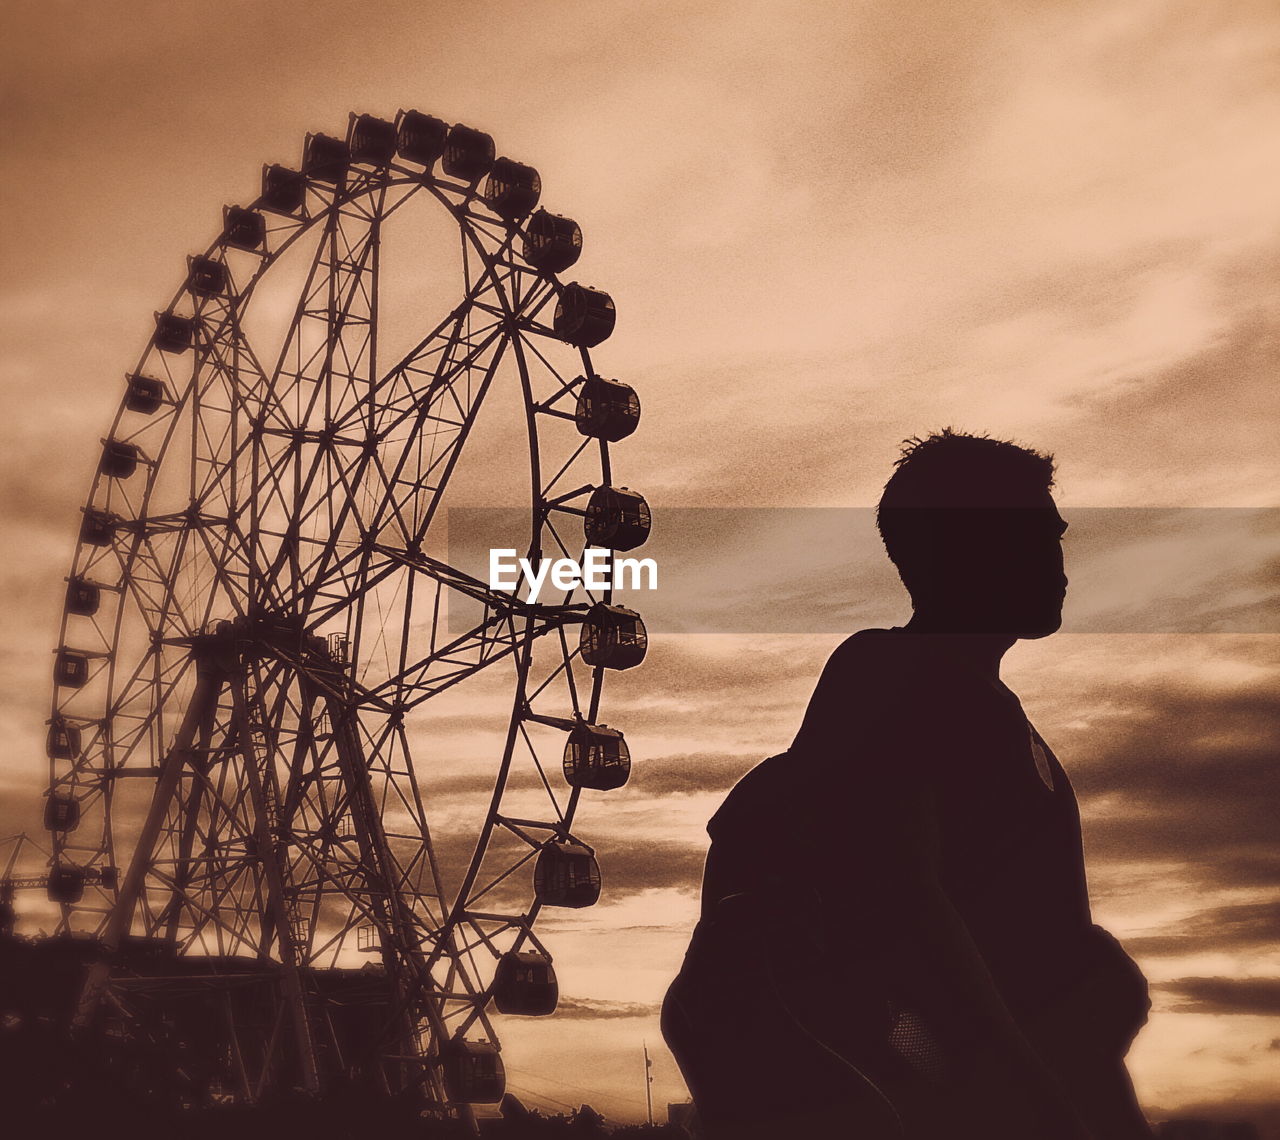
<point>399,191</point>
<point>169,559</point>
<point>336,300</point>
<point>476,896</point>
<point>566,552</point>
<point>286,384</point>
<point>222,593</point>
<point>393,409</point>
<point>353,333</point>
<point>459,581</point>
<point>542,775</point>
<point>565,666</point>
<point>326,540</point>
<point>427,852</point>
<point>442,382</point>
<point>316,572</point>
<point>232,562</point>
<point>480,647</point>
<point>146,678</point>
<point>531,343</point>
<point>273,500</point>
<point>452,330</point>
<point>446,462</point>
<point>306,526</point>
<point>549,488</point>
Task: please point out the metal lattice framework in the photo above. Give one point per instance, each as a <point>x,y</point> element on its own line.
<point>287,730</point>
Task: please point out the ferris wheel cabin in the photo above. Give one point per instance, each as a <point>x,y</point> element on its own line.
<point>371,140</point>
<point>596,756</point>
<point>584,317</point>
<point>512,189</point>
<point>567,875</point>
<point>473,1072</point>
<point>613,637</point>
<point>174,333</point>
<point>66,884</point>
<point>63,740</point>
<point>617,518</point>
<point>97,528</point>
<point>606,409</point>
<point>243,229</point>
<point>552,243</point>
<point>71,668</point>
<point>420,138</point>
<point>61,812</point>
<point>119,460</point>
<point>283,189</point>
<point>206,277</point>
<point>83,597</point>
<point>145,394</point>
<point>325,159</point>
<point>524,983</point>
<point>468,154</point>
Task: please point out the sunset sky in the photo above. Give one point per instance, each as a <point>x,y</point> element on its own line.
<point>827,227</point>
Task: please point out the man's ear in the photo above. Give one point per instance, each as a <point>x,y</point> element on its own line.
<point>921,576</point>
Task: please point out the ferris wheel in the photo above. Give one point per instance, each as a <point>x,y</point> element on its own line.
<point>312,779</point>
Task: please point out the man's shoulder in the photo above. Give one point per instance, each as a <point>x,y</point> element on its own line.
<point>880,672</point>
<point>763,790</point>
<point>875,649</point>
<point>885,662</point>
<point>867,652</point>
<point>873,720</point>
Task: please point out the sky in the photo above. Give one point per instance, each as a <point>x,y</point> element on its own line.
<point>828,227</point>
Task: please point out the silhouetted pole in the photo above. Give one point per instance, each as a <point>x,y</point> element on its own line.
<point>648,1082</point>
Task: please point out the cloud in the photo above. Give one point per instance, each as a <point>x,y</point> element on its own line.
<point>1221,929</point>
<point>587,1009</point>
<point>690,773</point>
<point>1225,386</point>
<point>1187,776</point>
<point>640,863</point>
<point>1264,1113</point>
<point>1260,996</point>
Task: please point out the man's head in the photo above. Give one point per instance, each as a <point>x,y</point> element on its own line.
<point>971,525</point>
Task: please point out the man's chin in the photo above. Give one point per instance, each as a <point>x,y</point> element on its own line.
<point>1040,627</point>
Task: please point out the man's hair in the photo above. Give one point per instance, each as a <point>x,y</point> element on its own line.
<point>949,469</point>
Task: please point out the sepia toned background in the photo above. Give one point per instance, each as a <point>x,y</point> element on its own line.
<point>828,227</point>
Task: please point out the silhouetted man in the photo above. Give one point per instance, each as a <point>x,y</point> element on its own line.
<point>895,937</point>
